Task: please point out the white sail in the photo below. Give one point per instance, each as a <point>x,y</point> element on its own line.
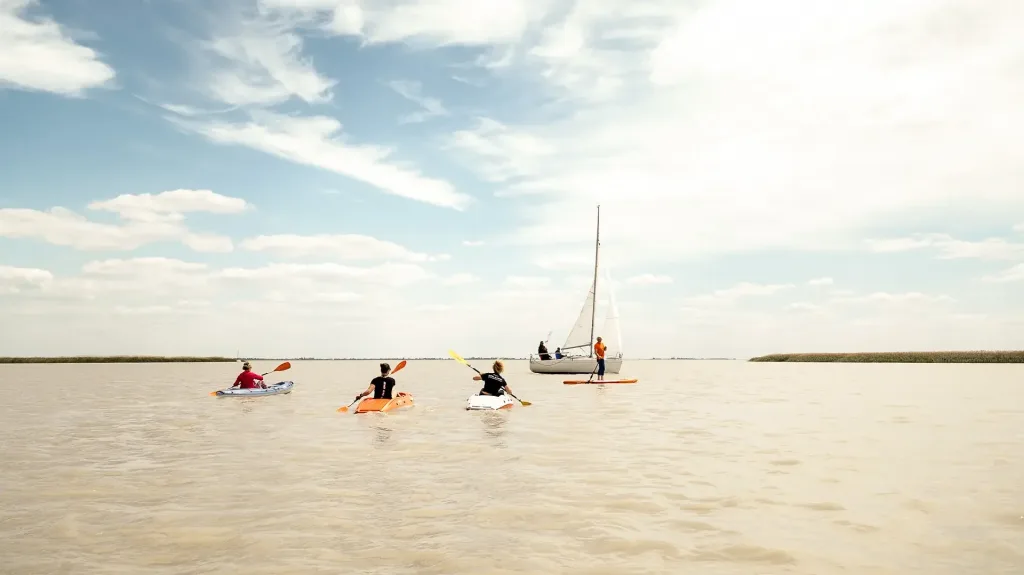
<point>579,336</point>
<point>611,335</point>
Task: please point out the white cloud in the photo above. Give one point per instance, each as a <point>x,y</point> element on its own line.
<point>802,97</point>
<point>952,248</point>
<point>1013,274</point>
<point>820,282</point>
<point>148,218</point>
<point>343,246</point>
<point>460,279</point>
<point>170,205</point>
<point>15,280</point>
<point>36,54</point>
<point>528,282</point>
<point>735,293</point>
<point>649,279</point>
<point>263,65</point>
<point>412,91</point>
<point>439,22</point>
<point>385,274</point>
<point>897,299</point>
<point>316,141</point>
<point>1019,227</point>
<point>472,243</point>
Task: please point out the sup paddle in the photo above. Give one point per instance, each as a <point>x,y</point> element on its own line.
<point>398,367</point>
<point>283,367</point>
<point>459,359</point>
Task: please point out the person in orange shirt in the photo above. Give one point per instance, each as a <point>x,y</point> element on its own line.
<point>599,349</point>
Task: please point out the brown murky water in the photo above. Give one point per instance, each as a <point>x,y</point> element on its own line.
<point>702,467</point>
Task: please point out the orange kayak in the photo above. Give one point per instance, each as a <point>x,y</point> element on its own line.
<point>369,404</point>
<point>597,381</point>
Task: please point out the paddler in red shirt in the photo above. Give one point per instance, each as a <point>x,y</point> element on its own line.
<point>247,379</point>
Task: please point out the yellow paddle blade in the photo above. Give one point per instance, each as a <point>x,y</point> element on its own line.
<point>457,357</point>
<point>343,409</point>
<point>525,403</point>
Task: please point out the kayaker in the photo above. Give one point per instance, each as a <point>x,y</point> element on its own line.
<point>380,386</point>
<point>494,384</point>
<point>248,378</point>
<point>599,349</point>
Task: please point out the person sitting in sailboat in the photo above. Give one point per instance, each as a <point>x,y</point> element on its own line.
<point>558,353</point>
<point>542,351</point>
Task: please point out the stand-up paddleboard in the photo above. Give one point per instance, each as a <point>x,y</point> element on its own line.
<point>369,404</point>
<point>275,389</point>
<point>489,402</point>
<point>597,381</point>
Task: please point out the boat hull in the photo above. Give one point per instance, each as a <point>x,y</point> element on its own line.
<point>574,365</point>
<point>489,402</point>
<point>275,389</point>
<point>369,404</point>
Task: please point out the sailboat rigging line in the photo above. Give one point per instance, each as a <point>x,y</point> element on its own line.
<point>593,309</point>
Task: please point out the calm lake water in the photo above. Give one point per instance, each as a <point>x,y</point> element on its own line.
<point>703,467</point>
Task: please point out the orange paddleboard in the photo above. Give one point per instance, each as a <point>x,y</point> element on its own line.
<point>597,381</point>
<point>369,404</point>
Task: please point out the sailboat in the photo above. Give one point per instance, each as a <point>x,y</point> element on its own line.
<point>578,349</point>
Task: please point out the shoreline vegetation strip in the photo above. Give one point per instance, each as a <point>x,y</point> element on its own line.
<point>898,357</point>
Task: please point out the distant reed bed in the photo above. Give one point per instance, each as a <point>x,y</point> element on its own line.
<point>116,359</point>
<point>900,357</point>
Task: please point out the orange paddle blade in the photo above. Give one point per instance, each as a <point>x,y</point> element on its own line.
<point>284,366</point>
<point>400,365</point>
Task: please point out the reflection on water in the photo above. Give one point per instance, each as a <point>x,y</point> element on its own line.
<point>702,467</point>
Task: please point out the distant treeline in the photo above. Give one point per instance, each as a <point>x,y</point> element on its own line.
<point>900,357</point>
<point>115,359</point>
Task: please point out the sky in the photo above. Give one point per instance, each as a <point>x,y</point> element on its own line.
<point>392,178</point>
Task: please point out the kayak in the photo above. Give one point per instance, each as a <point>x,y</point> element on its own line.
<point>491,402</point>
<point>369,404</point>
<point>597,381</point>
<point>275,389</point>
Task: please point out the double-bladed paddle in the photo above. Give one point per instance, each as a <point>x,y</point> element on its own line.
<point>459,359</point>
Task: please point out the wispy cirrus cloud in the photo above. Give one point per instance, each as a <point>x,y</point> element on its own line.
<point>413,91</point>
<point>803,97</point>
<point>949,247</point>
<point>317,141</point>
<point>341,246</point>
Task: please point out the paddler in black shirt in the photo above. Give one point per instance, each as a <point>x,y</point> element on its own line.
<point>380,386</point>
<point>494,384</point>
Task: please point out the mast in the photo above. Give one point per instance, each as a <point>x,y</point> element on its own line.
<point>593,309</point>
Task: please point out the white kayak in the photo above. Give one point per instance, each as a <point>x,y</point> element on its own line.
<point>490,402</point>
<point>275,389</point>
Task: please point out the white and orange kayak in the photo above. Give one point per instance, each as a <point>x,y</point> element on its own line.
<point>597,381</point>
<point>369,404</point>
<point>489,402</point>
